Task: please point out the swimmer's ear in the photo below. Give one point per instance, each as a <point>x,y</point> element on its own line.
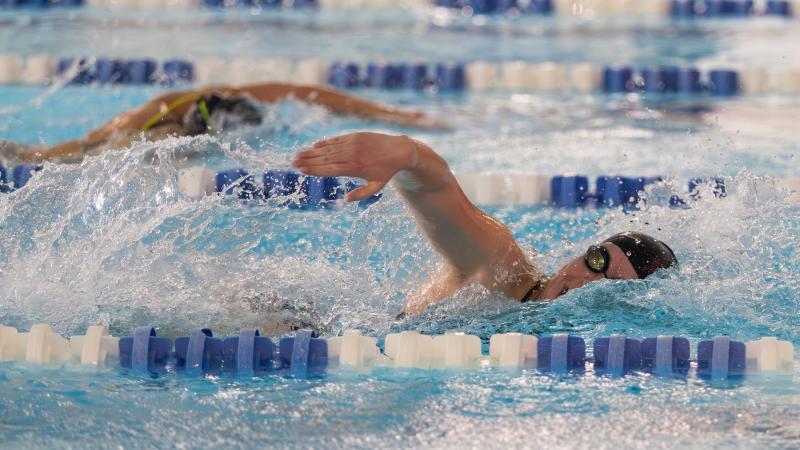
<point>371,188</point>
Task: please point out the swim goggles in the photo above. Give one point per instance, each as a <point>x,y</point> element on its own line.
<point>597,259</point>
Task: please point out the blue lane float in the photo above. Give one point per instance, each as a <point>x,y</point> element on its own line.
<point>344,75</point>
<point>145,352</point>
<point>450,77</point>
<point>561,353</point>
<point>688,81</point>
<point>17,178</point>
<point>499,6</point>
<point>681,80</point>
<point>323,191</point>
<point>721,358</point>
<point>303,354</point>
<point>617,79</point>
<point>126,71</point>
<point>199,353</point>
<point>621,191</point>
<point>283,184</point>
<point>248,354</point>
<point>238,183</point>
<point>617,355</point>
<point>4,186</point>
<point>779,8</point>
<point>279,187</point>
<point>723,83</point>
<point>413,76</point>
<point>717,186</point>
<point>687,9</point>
<point>729,8</point>
<point>666,355</point>
<point>40,4</point>
<point>569,191</point>
<point>118,71</point>
<point>178,71</point>
<point>273,4</point>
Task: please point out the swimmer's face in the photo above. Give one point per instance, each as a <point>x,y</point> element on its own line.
<point>576,274</point>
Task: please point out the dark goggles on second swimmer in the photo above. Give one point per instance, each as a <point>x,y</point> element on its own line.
<point>214,113</point>
<point>597,259</point>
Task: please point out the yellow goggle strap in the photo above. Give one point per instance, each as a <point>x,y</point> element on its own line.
<point>178,102</point>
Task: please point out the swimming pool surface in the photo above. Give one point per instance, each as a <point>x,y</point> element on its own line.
<point>113,240</point>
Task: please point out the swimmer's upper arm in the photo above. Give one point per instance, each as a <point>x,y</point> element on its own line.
<point>476,246</point>
<point>135,119</point>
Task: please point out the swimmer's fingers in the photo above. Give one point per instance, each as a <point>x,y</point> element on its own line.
<point>369,189</point>
<point>323,160</point>
<point>339,153</point>
<point>333,141</point>
<point>328,170</point>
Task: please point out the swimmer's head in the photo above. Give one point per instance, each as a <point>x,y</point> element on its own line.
<point>624,256</point>
<point>214,113</point>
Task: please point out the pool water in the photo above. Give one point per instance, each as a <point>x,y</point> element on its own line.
<point>113,240</point>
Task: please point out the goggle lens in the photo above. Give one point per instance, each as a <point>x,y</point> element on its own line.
<point>597,259</point>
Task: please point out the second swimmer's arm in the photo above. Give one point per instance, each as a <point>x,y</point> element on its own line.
<point>476,247</point>
<point>337,102</point>
<point>156,110</point>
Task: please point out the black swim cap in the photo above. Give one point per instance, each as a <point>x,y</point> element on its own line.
<point>646,253</point>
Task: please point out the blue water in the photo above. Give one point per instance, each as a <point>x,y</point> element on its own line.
<point>113,241</point>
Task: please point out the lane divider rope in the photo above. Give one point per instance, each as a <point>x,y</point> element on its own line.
<point>651,80</point>
<point>305,354</point>
<point>677,9</point>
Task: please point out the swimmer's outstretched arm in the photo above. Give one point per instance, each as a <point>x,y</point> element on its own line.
<point>337,102</point>
<point>475,246</point>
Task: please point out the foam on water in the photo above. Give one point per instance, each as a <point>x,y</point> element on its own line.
<point>119,244</point>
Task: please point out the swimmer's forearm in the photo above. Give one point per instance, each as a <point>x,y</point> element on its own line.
<point>338,103</point>
<point>470,240</point>
<point>68,151</point>
<point>335,101</point>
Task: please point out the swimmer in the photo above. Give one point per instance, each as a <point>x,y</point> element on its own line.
<point>476,247</point>
<point>208,110</point>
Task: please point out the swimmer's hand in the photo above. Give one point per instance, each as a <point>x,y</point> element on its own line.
<point>374,157</point>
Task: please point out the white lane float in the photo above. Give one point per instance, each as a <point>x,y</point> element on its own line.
<point>39,69</point>
<point>513,350</point>
<point>10,69</point>
<point>197,182</point>
<point>310,71</point>
<point>410,349</point>
<point>12,344</point>
<point>481,75</point>
<point>352,350</point>
<point>585,77</point>
<point>787,80</point>
<point>457,350</point>
<point>518,75</point>
<point>550,76</point>
<point>44,346</point>
<point>95,347</point>
<point>211,71</point>
<point>769,355</point>
<point>754,80</point>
